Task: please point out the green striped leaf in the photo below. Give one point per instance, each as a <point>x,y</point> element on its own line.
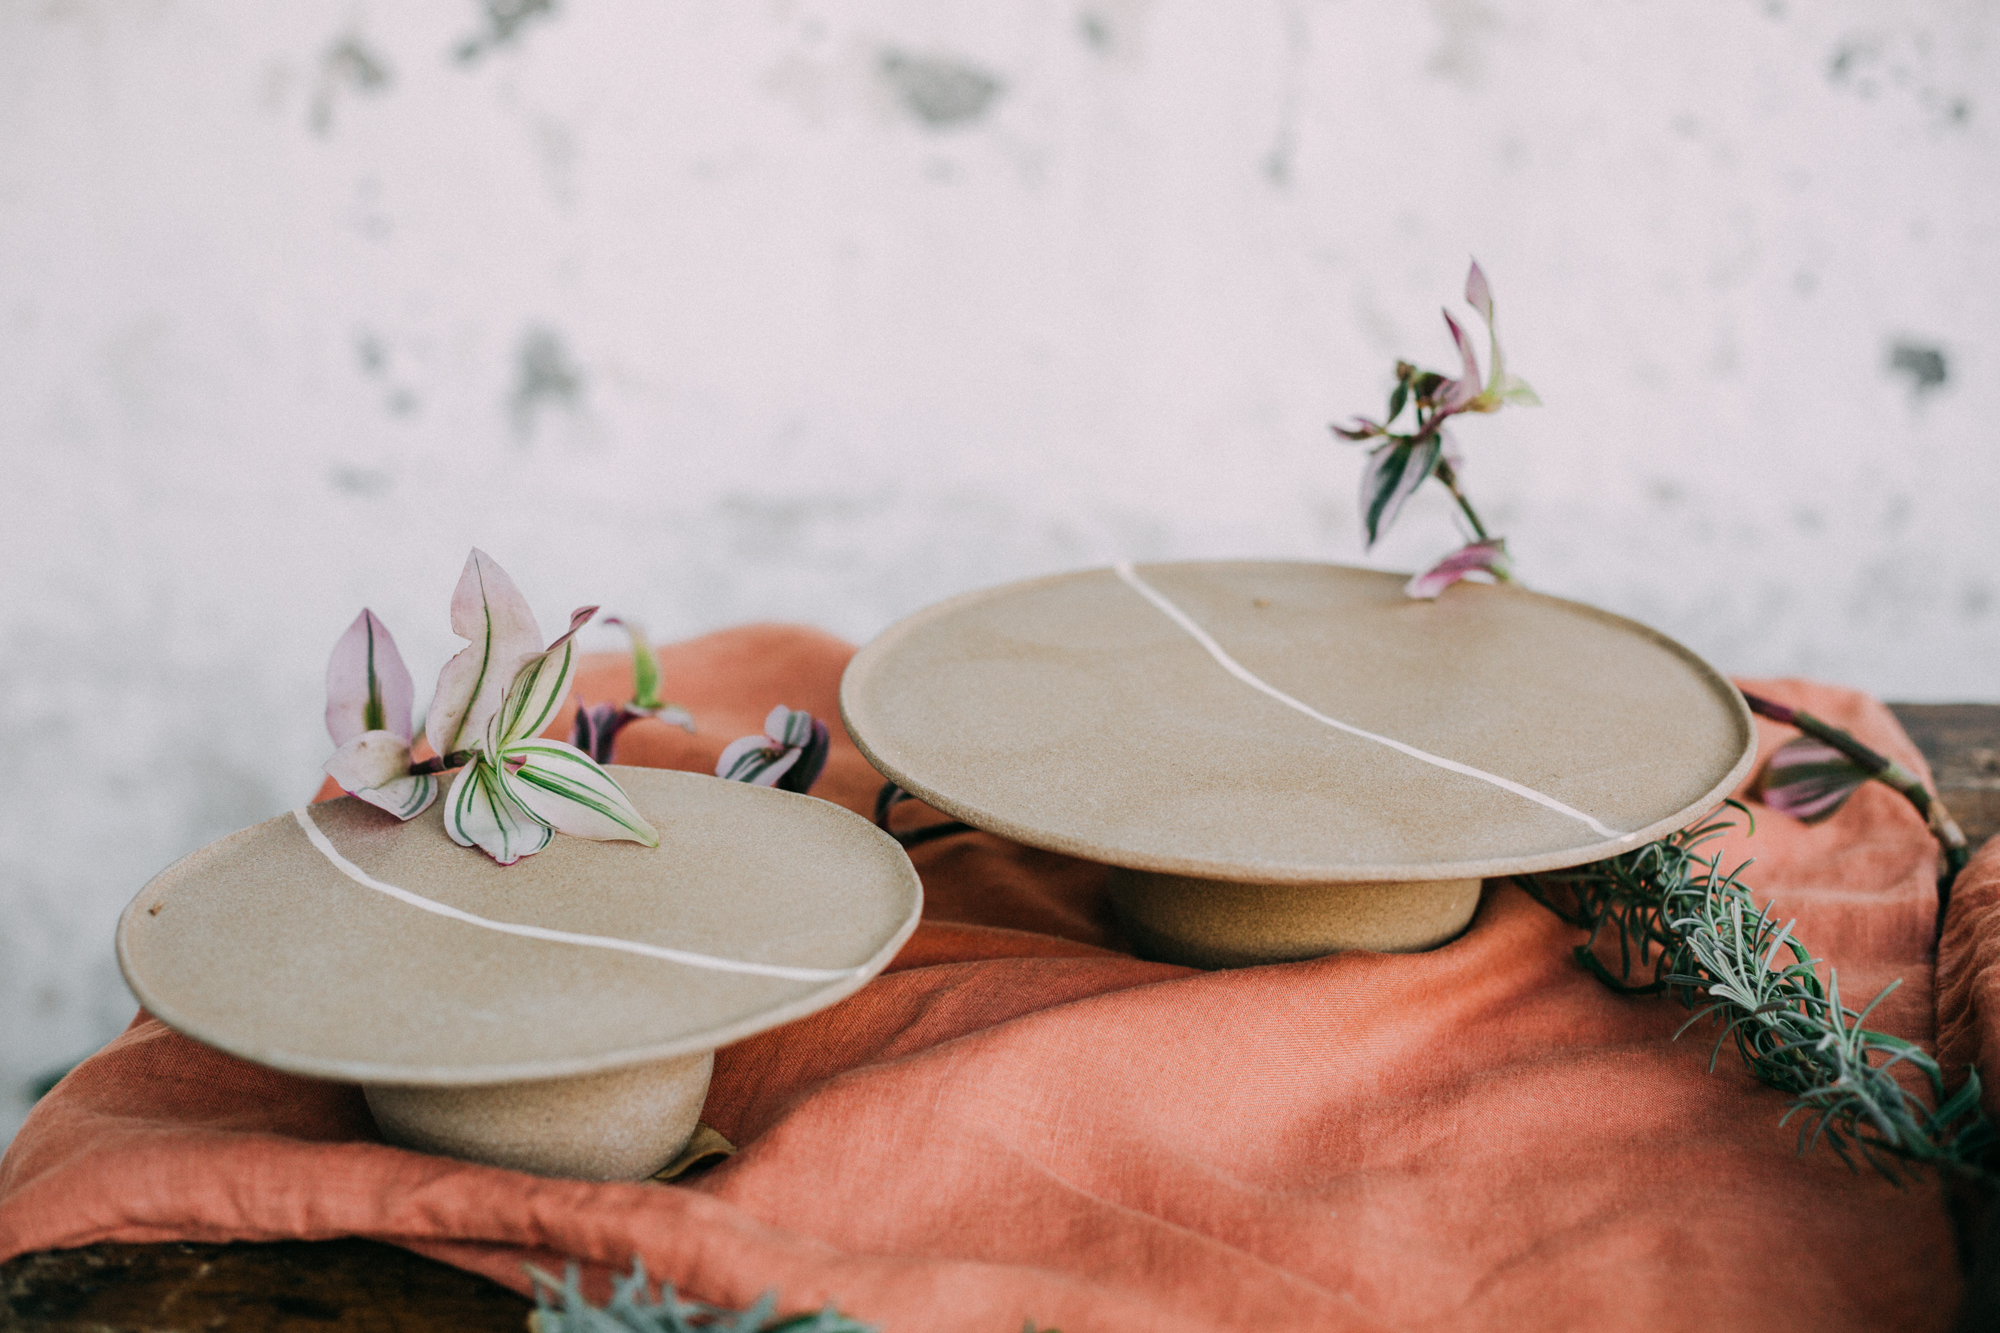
<point>367,686</point>
<point>539,688</point>
<point>369,760</point>
<point>564,788</point>
<point>1809,780</point>
<point>489,610</point>
<point>789,755</point>
<point>481,812</point>
<point>1393,473</point>
<point>645,667</point>
<point>757,760</point>
<point>405,797</point>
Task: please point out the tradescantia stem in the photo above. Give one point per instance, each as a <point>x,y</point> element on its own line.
<point>1450,479</point>
<point>1951,840</point>
<point>456,759</point>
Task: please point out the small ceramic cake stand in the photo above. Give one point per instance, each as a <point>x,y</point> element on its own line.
<point>1284,759</point>
<point>558,1015</point>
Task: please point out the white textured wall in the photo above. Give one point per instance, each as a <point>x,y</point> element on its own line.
<point>713,311</point>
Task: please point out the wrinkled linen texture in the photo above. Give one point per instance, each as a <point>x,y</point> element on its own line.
<point>1021,1121</point>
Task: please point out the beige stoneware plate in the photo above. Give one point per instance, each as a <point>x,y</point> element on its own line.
<point>1210,726</point>
<point>262,946</point>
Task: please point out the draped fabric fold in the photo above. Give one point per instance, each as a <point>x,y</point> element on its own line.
<point>1019,1120</point>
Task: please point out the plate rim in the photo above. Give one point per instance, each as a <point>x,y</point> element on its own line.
<point>401,1074</point>
<point>852,682</point>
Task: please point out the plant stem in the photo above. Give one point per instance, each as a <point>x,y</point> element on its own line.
<point>1891,774</point>
<point>1450,479</point>
<point>456,759</point>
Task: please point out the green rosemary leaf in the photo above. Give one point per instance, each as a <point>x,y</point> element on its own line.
<point>1678,922</point>
<point>632,1309</point>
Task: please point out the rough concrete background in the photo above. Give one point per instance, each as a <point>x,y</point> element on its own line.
<point>721,311</point>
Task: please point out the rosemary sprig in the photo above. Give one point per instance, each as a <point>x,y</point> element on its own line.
<point>632,1310</point>
<point>1685,926</point>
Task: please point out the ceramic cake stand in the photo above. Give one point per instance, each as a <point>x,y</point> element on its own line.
<point>558,1015</point>
<point>1282,760</point>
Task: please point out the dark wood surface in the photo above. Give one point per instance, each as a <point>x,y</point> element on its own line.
<point>352,1286</point>
<point>1962,743</point>
<point>332,1286</point>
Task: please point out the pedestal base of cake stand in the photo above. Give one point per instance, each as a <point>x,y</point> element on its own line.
<point>1219,923</point>
<point>623,1124</point>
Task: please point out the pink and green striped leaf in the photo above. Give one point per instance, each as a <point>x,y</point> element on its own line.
<point>789,756</point>
<point>367,686</point>
<point>539,688</point>
<point>1809,780</point>
<point>1454,395</point>
<point>565,789</point>
<point>1393,473</point>
<point>369,760</point>
<point>488,610</point>
<point>482,812</point>
<point>375,766</point>
<point>1488,557</point>
<point>405,797</point>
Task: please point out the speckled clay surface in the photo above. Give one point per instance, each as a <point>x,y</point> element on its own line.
<point>1070,713</point>
<point>1215,923</point>
<point>259,946</point>
<point>623,1124</point>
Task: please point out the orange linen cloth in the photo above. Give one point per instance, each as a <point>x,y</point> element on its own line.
<point>1019,1121</point>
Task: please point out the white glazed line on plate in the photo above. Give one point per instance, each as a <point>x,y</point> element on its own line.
<point>1235,668</point>
<point>366,880</point>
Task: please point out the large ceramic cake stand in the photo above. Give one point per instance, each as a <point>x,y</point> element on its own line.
<point>558,1015</point>
<point>1283,760</point>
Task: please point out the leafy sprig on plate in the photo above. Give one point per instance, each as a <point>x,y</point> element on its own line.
<point>1677,921</point>
<point>514,789</point>
<point>1401,461</point>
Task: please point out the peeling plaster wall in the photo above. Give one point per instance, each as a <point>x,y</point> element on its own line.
<point>714,312</point>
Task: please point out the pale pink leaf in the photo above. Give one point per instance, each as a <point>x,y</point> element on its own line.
<point>1489,557</point>
<point>1457,393</point>
<point>812,751</point>
<point>405,798</point>
<point>1477,294</point>
<point>1808,780</point>
<point>367,686</point>
<point>489,610</point>
<point>372,759</point>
